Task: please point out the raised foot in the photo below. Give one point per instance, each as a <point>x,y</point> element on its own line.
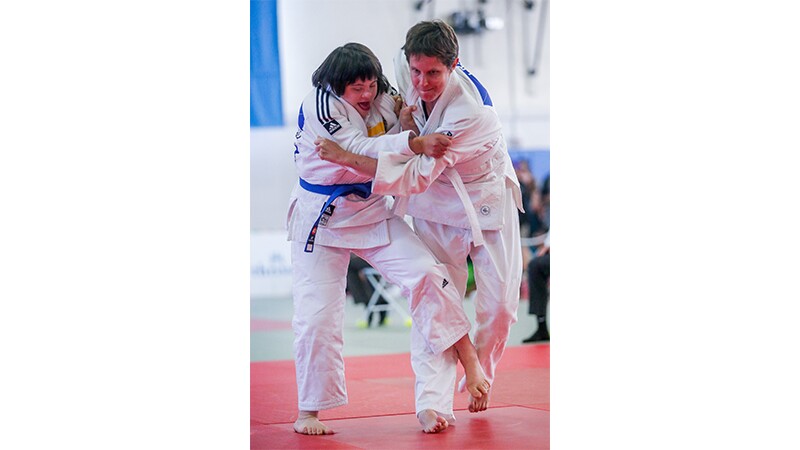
<point>478,388</point>
<point>478,404</point>
<point>474,380</point>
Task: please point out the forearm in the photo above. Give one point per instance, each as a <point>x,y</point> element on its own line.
<point>364,165</point>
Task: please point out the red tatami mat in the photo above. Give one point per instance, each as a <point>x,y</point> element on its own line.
<point>381,408</point>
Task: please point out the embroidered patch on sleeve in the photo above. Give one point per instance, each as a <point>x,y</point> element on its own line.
<point>332,126</point>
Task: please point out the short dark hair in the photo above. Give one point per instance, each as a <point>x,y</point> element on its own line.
<point>432,38</point>
<point>348,64</point>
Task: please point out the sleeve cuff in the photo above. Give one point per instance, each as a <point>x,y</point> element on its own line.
<point>407,149</point>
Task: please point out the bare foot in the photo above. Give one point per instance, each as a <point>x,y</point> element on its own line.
<point>431,421</point>
<point>475,404</point>
<point>476,382</point>
<point>478,404</point>
<point>308,423</point>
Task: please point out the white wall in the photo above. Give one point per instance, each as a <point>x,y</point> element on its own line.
<point>272,176</point>
<point>310,29</point>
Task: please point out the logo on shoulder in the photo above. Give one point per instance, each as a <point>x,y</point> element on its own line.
<point>447,133</point>
<point>332,126</point>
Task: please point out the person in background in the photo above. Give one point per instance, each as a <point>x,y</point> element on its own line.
<point>546,202</point>
<point>531,220</point>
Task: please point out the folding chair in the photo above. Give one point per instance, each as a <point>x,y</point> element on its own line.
<point>382,290</point>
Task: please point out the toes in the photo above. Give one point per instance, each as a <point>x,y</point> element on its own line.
<point>439,425</point>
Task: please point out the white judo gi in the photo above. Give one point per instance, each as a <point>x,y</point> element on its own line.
<point>367,228</point>
<point>464,203</point>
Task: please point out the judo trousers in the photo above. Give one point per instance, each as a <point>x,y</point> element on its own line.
<point>498,273</point>
<point>319,282</point>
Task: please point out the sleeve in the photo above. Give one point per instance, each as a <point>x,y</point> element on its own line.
<point>471,132</point>
<point>384,104</point>
<point>404,174</point>
<point>332,120</point>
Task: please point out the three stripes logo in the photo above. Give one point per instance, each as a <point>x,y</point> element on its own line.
<point>324,111</point>
<point>332,126</point>
<point>444,282</point>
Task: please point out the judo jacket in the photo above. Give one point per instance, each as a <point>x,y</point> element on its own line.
<point>355,222</point>
<point>465,188</point>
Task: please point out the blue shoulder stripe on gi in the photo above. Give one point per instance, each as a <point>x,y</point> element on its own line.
<point>484,93</point>
<point>301,118</point>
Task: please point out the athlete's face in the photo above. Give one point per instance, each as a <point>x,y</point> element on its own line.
<point>361,95</point>
<point>429,77</point>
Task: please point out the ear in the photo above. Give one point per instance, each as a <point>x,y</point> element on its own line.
<point>455,63</point>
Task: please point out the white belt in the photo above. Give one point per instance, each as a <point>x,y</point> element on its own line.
<point>475,166</point>
<point>401,205</point>
<point>469,208</point>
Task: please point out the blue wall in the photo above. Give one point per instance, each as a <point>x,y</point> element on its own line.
<point>538,161</point>
<point>265,71</point>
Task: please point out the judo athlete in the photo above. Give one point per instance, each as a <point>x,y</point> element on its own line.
<point>464,203</point>
<point>333,213</point>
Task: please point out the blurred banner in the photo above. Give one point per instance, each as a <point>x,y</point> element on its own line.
<point>265,70</point>
<point>270,264</point>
